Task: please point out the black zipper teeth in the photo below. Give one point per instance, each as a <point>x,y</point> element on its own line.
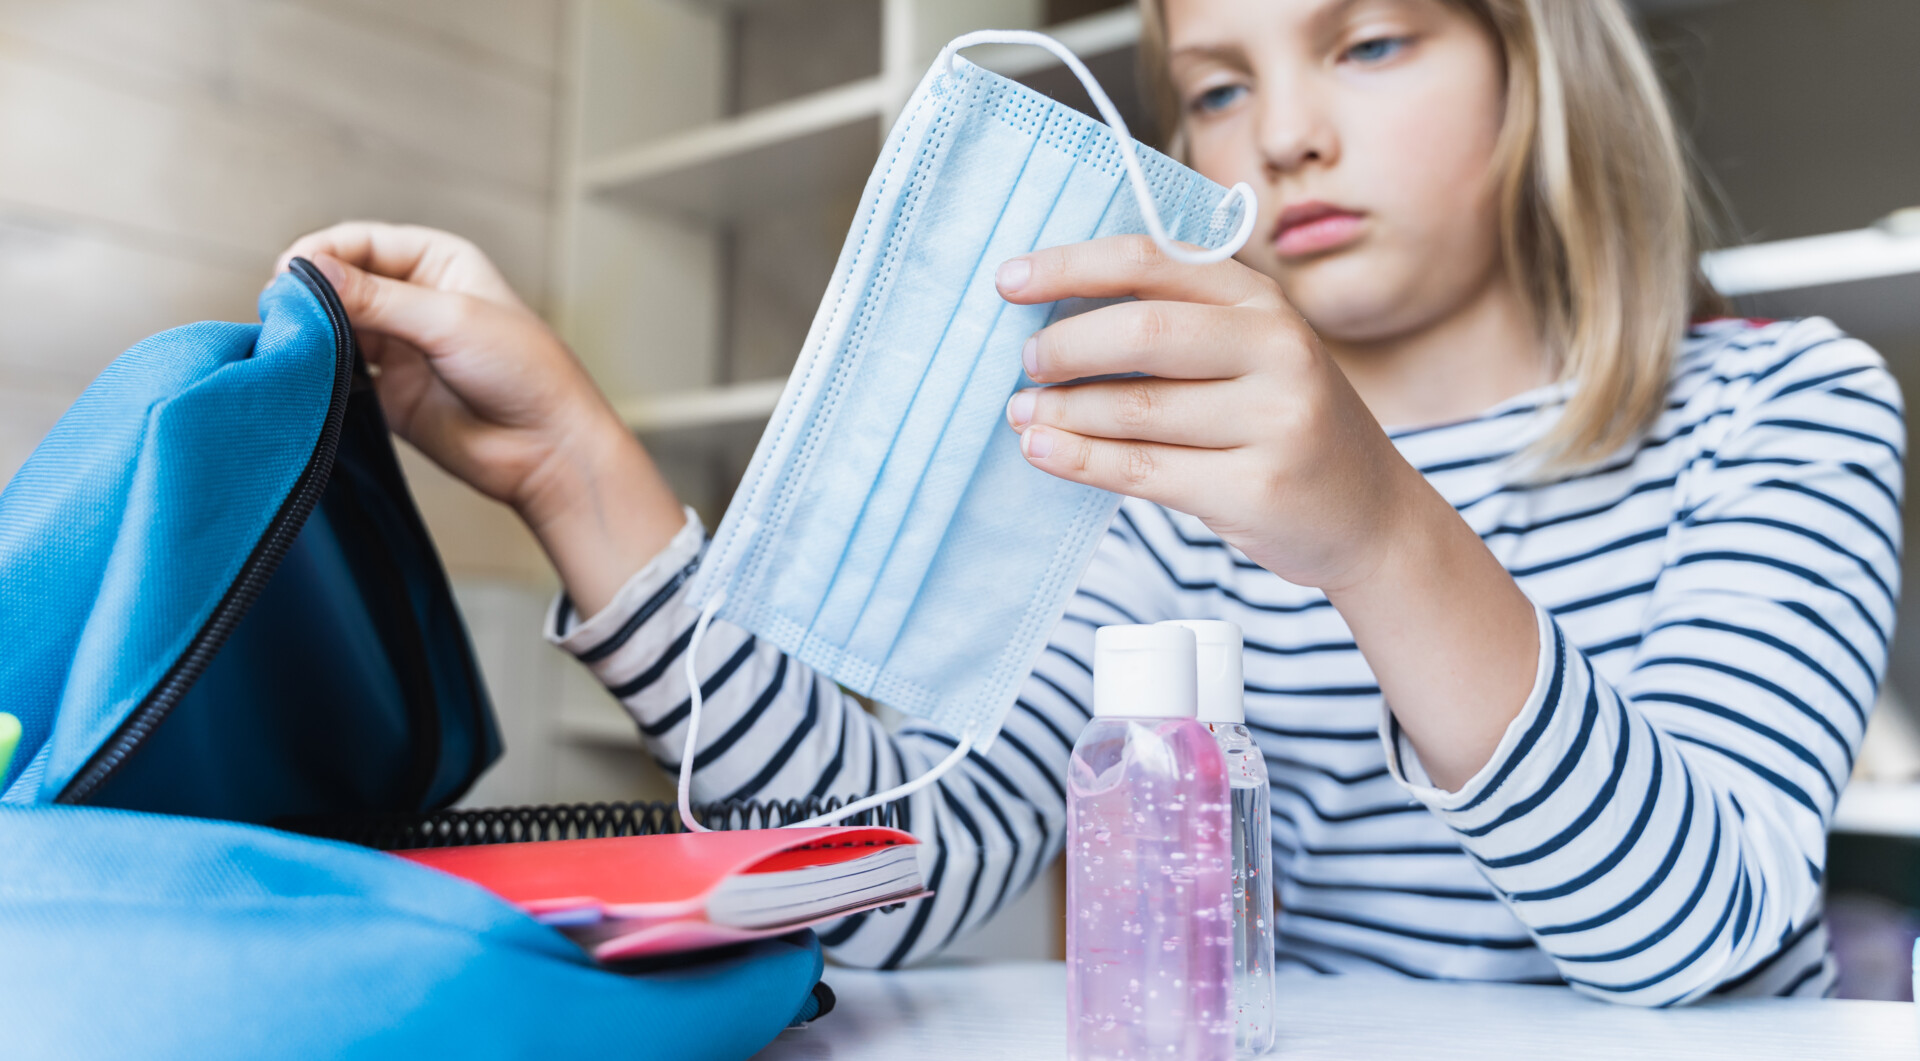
<point>254,573</point>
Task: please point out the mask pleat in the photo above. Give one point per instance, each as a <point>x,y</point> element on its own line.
<point>949,337</point>
<point>906,391</point>
<point>1080,196</point>
<point>1018,536</point>
<point>855,367</point>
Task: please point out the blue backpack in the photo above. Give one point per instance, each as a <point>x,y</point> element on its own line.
<point>220,610</point>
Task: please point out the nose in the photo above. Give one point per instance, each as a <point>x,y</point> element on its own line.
<point>1294,129</point>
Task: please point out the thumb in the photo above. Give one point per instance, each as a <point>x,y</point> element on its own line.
<point>420,316</point>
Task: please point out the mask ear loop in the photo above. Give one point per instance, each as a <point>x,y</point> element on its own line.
<point>695,701</point>
<point>1128,156</point>
<point>867,803</point>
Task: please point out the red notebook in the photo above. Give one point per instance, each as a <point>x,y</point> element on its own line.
<point>631,896</point>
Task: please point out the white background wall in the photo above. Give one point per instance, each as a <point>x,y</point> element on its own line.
<point>158,154</point>
<point>155,156</point>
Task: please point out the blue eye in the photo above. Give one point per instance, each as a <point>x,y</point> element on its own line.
<point>1376,50</point>
<point>1218,98</point>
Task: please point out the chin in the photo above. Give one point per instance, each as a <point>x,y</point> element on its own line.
<point>1347,299</point>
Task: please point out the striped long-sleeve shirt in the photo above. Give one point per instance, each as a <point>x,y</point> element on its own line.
<point>1714,611</point>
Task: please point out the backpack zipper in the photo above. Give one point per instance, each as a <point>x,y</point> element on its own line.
<point>254,573</point>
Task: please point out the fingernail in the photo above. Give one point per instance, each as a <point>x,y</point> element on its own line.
<point>1036,444</point>
<point>1020,408</point>
<point>331,268</point>
<point>1012,275</point>
<point>1030,357</point>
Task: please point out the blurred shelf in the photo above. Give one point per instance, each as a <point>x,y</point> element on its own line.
<point>608,728</point>
<point>739,403</point>
<point>1879,808</point>
<point>799,149</point>
<point>790,150</point>
<point>1108,31</point>
<point>1673,7</point>
<point>1813,261</point>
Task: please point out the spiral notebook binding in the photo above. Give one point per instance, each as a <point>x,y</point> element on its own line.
<point>576,821</point>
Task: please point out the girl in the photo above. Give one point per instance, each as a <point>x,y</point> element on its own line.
<point>1558,677</point>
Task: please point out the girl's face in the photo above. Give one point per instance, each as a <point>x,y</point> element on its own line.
<point>1368,128</point>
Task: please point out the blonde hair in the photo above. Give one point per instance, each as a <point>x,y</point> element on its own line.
<point>1600,220</point>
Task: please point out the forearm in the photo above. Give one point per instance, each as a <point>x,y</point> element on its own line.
<point>1448,633</point>
<point>765,731</point>
<point>1659,823</point>
<point>1649,873</point>
<point>601,511</point>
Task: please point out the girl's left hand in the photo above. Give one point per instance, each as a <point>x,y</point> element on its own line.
<point>1242,419</point>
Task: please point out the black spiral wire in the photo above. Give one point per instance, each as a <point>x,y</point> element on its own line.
<point>576,821</point>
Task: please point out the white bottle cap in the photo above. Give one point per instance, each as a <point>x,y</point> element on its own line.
<point>1144,672</point>
<point>1222,689</point>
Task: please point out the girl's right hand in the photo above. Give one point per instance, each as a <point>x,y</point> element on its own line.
<point>470,376</point>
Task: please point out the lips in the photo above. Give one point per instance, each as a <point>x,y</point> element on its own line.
<point>1315,228</point>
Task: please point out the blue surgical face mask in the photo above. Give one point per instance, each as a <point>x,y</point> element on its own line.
<point>888,532</point>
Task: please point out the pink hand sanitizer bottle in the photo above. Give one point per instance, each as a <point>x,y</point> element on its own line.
<point>1149,861</point>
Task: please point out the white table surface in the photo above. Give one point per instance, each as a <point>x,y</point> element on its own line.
<point>1017,1011</point>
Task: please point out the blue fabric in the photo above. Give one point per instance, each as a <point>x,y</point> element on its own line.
<point>349,684</point>
<point>125,527</point>
<point>888,531</point>
<point>133,935</point>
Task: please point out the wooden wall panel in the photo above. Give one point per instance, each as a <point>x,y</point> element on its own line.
<point>160,153</point>
<point>75,292</point>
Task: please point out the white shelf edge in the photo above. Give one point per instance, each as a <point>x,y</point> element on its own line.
<point>599,727</point>
<point>1096,34</point>
<point>765,127</point>
<point>866,98</point>
<point>1878,808</point>
<point>738,403</point>
<point>1811,261</point>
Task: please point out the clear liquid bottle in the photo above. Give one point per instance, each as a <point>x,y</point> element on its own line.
<point>1149,862</point>
<point>1222,707</point>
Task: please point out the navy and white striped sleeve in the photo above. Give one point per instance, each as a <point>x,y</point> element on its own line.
<point>1663,835</point>
<point>773,729</point>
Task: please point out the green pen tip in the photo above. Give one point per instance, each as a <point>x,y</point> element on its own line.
<point>9,740</point>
